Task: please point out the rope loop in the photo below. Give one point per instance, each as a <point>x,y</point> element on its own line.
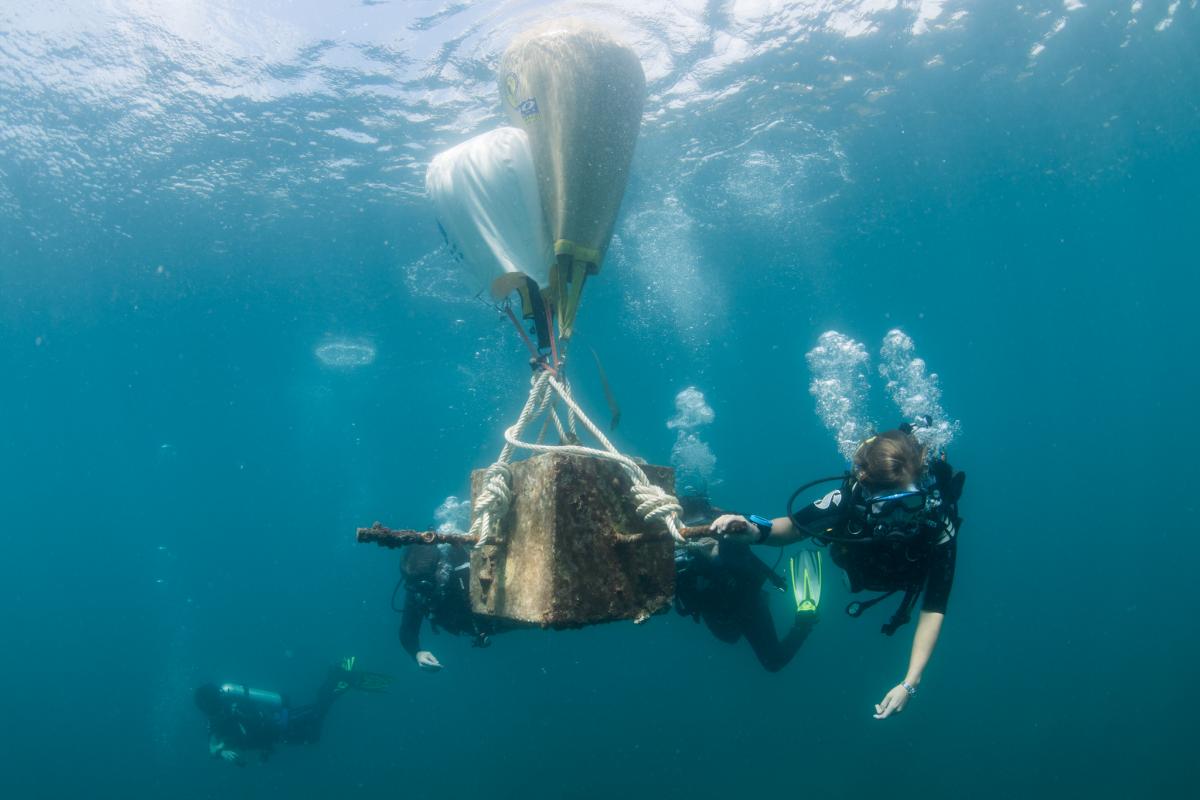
<point>495,496</point>
<point>653,503</point>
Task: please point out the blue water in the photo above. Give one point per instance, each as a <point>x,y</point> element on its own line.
<point>194,200</point>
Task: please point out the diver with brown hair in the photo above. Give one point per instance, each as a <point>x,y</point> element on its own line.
<point>892,526</point>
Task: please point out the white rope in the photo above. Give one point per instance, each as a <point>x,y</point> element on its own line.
<point>562,433</point>
<point>496,494</point>
<point>653,503</point>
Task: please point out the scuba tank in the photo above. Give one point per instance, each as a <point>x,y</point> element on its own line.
<point>259,697</point>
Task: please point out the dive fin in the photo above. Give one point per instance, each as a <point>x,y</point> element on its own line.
<point>375,682</point>
<point>351,678</point>
<point>805,569</point>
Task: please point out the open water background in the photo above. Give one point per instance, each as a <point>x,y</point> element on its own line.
<point>195,197</point>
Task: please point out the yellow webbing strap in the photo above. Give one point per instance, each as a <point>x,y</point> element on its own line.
<point>565,247</point>
<point>571,277</point>
<point>560,273</point>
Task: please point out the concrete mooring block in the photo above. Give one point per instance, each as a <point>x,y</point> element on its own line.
<point>563,557</point>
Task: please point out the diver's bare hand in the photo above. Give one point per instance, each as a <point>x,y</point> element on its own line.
<point>893,702</point>
<point>428,661</point>
<point>233,758</point>
<point>734,526</point>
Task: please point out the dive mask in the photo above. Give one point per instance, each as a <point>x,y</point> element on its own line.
<point>897,514</point>
<point>894,503</point>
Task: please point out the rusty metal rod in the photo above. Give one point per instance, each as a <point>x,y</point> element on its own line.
<point>697,531</point>
<point>386,537</point>
<point>694,532</point>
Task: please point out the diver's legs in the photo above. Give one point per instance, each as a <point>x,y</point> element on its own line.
<point>723,627</point>
<point>304,722</point>
<point>759,629</point>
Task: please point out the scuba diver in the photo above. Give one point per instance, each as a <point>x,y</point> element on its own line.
<point>435,579</point>
<point>721,582</point>
<point>892,526</point>
<point>242,720</point>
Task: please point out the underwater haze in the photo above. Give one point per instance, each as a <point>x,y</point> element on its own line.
<point>230,333</point>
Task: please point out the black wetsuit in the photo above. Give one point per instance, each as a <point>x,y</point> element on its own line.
<point>727,593</point>
<point>245,723</point>
<point>924,564</point>
<point>445,599</point>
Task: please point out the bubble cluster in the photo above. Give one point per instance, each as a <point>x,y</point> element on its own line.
<point>691,410</point>
<point>914,391</point>
<point>839,385</point>
<point>683,290</point>
<point>453,515</point>
<point>346,353</point>
<point>694,464</point>
<point>691,456</point>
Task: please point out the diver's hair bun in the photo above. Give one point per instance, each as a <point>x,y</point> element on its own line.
<point>892,459</point>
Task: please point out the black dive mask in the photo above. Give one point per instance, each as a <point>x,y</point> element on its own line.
<point>895,515</point>
<point>897,504</point>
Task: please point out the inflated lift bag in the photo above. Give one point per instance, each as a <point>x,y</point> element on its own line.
<point>485,194</point>
<point>578,94</point>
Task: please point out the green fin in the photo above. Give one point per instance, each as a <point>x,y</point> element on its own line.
<point>805,569</point>
<point>375,682</point>
<point>351,678</point>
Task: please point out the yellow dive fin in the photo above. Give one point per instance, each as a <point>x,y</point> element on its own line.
<point>805,569</point>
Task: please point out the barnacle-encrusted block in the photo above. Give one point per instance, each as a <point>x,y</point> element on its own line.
<point>563,557</point>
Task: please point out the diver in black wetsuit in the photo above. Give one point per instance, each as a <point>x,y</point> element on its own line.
<point>436,587</point>
<point>892,527</point>
<point>242,720</point>
<point>721,582</point>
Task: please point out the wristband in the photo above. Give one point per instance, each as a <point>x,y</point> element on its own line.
<point>908,687</point>
<point>764,526</point>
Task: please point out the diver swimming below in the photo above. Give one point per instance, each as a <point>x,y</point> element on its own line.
<point>892,526</point>
<point>720,581</point>
<point>435,582</point>
<point>242,720</point>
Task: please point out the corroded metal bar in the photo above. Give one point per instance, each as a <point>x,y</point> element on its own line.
<point>386,537</point>
<point>694,532</point>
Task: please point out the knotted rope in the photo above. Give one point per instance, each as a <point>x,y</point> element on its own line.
<point>653,504</point>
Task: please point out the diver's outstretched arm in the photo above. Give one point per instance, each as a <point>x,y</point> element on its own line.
<point>782,532</point>
<point>410,624</point>
<point>818,516</point>
<point>929,626</point>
